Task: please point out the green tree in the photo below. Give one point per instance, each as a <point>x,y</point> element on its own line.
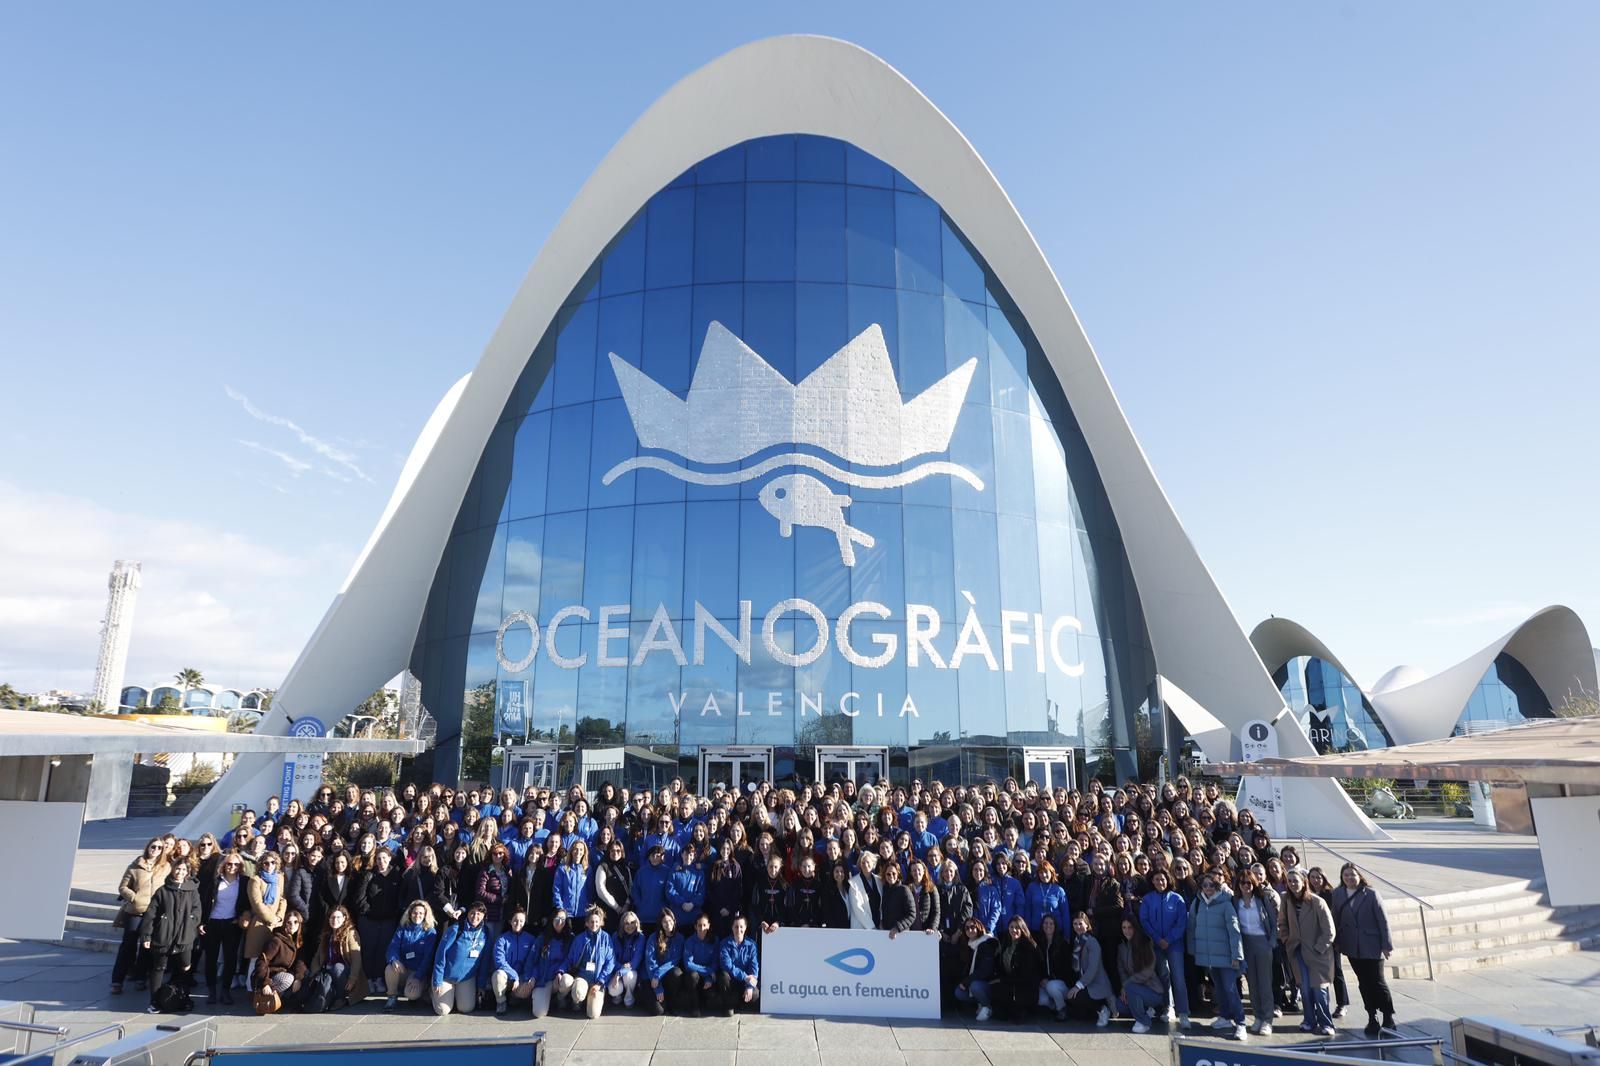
<point>477,732</point>
<point>1576,705</point>
<point>11,699</point>
<point>189,678</point>
<point>168,705</point>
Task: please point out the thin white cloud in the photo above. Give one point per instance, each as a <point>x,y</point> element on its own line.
<point>1499,614</point>
<point>211,598</point>
<point>296,466</point>
<point>331,452</point>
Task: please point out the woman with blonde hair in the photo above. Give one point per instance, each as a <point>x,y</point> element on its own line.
<point>139,881</point>
<point>410,954</point>
<point>268,904</point>
<point>629,945</point>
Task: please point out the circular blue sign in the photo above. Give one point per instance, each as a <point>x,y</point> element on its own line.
<point>307,727</point>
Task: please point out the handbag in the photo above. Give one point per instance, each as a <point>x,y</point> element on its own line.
<point>121,920</point>
<point>266,1000</point>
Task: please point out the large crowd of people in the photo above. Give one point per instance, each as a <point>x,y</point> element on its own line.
<point>1158,904</point>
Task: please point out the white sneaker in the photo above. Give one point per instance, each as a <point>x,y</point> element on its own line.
<point>1239,1033</point>
<point>984,1014</point>
<point>1327,1030</point>
<point>1221,1023</point>
<point>1262,1029</point>
<point>1167,1016</point>
<point>627,999</point>
<point>1139,1026</point>
<point>1103,1018</point>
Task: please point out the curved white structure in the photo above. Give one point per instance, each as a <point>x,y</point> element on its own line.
<point>789,85</point>
<point>1552,645</point>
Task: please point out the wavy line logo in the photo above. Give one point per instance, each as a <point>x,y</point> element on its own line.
<point>739,405</point>
<point>857,961</point>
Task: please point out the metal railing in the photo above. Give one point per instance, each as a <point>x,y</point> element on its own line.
<point>1423,906</point>
<point>1382,1047</point>
<point>370,1045</point>
<point>48,1054</point>
<point>30,1029</point>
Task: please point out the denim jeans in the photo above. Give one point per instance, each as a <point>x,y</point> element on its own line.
<point>975,992</point>
<point>1169,966</point>
<point>1315,994</point>
<point>1225,986</point>
<point>1142,999</point>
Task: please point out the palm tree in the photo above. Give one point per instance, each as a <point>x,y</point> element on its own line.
<point>189,678</point>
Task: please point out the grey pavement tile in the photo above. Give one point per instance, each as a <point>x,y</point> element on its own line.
<point>931,1036</point>
<point>699,1034</point>
<point>964,1057</point>
<point>630,1035</point>
<point>861,1056</point>
<point>798,1056</point>
<point>993,1040</point>
<point>1054,1057</point>
<point>685,1057</point>
<point>1105,1057</point>
<point>856,1033</point>
<point>606,1057</point>
<point>776,1034</point>
<point>1094,1041</point>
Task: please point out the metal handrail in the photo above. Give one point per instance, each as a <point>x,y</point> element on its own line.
<point>49,1053</point>
<point>1423,906</point>
<point>30,1028</point>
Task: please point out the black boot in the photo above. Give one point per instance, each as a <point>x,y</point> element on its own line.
<point>1388,1021</point>
<point>1372,1029</point>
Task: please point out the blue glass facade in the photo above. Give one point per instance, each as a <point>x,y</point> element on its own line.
<point>654,608</point>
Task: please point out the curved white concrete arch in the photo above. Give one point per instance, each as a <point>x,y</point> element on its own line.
<point>1552,644</point>
<point>826,87</point>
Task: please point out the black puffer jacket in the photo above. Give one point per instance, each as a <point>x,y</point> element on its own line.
<point>173,920</point>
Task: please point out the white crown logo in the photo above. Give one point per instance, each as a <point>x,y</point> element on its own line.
<point>850,406</point>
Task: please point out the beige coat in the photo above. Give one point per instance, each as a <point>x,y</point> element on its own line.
<point>1308,926</point>
<point>139,882</point>
<point>264,918</point>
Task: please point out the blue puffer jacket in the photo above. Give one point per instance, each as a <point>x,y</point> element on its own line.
<point>412,947</point>
<point>738,959</point>
<point>570,890</point>
<point>629,948</point>
<point>990,905</point>
<point>650,891</point>
<point>656,966</point>
<point>687,886</point>
<point>517,954</point>
<point>1043,899</point>
<point>553,952</point>
<point>1164,917</point>
<point>596,949</point>
<point>461,953</point>
<point>700,956</point>
<point>1011,892</point>
<point>1214,938</point>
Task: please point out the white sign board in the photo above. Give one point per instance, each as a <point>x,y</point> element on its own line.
<point>1264,795</point>
<point>1569,843</point>
<point>860,973</point>
<point>33,894</point>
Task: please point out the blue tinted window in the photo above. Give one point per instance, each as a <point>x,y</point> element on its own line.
<point>669,241</point>
<point>719,233</point>
<point>819,239</point>
<point>769,232</point>
<point>568,482</point>
<point>870,237</point>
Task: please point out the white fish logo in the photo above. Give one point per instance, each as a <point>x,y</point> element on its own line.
<point>738,405</point>
<point>802,500</point>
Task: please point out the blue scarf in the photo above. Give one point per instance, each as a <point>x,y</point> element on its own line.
<point>270,896</point>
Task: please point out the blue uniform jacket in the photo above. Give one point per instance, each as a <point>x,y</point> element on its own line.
<point>1164,916</point>
<point>670,848</point>
<point>738,959</point>
<point>1011,892</point>
<point>461,953</point>
<point>552,957</point>
<point>412,947</point>
<point>517,954</point>
<point>595,948</point>
<point>656,966</point>
<point>1043,899</point>
<point>700,956</point>
<point>687,885</point>
<point>990,905</point>
<point>629,948</point>
<point>650,891</point>
<point>570,890</point>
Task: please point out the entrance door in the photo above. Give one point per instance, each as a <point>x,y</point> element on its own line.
<point>530,765</point>
<point>1049,768</point>
<point>736,769</point>
<point>864,766</point>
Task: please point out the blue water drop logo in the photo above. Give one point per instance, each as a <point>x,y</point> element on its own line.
<point>858,961</point>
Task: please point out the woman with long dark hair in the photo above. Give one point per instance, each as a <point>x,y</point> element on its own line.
<point>1363,935</point>
<point>1144,995</point>
<point>662,965</point>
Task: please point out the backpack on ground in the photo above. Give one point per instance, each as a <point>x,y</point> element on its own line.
<point>171,999</point>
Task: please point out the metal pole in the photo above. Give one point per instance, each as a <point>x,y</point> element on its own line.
<point>1427,949</point>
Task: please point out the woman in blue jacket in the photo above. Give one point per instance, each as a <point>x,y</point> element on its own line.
<point>553,949</point>
<point>410,954</point>
<point>989,904</point>
<point>457,964</point>
<point>516,962</point>
<point>699,968</point>
<point>570,887</point>
<point>629,945</point>
<point>686,890</point>
<point>1044,896</point>
<point>1010,889</point>
<point>662,965</point>
<point>590,963</point>
<point>738,970</point>
<point>1164,916</point>
<point>650,885</point>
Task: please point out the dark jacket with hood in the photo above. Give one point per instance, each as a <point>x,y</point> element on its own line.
<point>173,920</point>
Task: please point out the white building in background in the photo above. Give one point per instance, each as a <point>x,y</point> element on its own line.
<point>116,633</point>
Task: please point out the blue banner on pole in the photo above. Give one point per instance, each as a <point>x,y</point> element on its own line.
<point>511,709</point>
<point>286,789</point>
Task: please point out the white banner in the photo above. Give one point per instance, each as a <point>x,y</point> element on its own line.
<point>1263,795</point>
<point>851,973</point>
<point>1569,844</point>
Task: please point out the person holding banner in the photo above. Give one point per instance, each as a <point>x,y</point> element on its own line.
<point>738,970</point>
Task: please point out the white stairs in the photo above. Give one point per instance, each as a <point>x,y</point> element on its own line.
<point>1485,927</point>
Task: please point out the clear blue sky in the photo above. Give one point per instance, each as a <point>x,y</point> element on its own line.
<point>1339,262</point>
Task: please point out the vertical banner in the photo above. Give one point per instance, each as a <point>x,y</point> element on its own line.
<point>302,771</point>
<point>850,972</point>
<point>1264,795</point>
<point>511,709</point>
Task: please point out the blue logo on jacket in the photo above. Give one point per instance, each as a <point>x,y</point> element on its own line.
<point>858,961</point>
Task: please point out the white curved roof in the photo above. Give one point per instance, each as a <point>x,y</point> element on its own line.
<point>808,85</point>
<point>1552,644</point>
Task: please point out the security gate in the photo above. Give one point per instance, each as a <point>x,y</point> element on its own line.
<point>1049,768</point>
<point>734,768</point>
<point>864,766</point>
<point>530,765</point>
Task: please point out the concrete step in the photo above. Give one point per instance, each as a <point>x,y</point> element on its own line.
<point>1531,917</point>
<point>1479,945</point>
<point>93,926</point>
<point>1418,968</point>
<point>1512,895</point>
<point>89,895</point>
<point>83,941</point>
<point>102,911</point>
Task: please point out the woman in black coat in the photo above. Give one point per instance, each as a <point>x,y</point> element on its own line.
<point>836,897</point>
<point>1015,988</point>
<point>955,901</point>
<point>334,886</point>
<point>170,928</point>
<point>899,913</point>
<point>377,905</point>
<point>301,878</point>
